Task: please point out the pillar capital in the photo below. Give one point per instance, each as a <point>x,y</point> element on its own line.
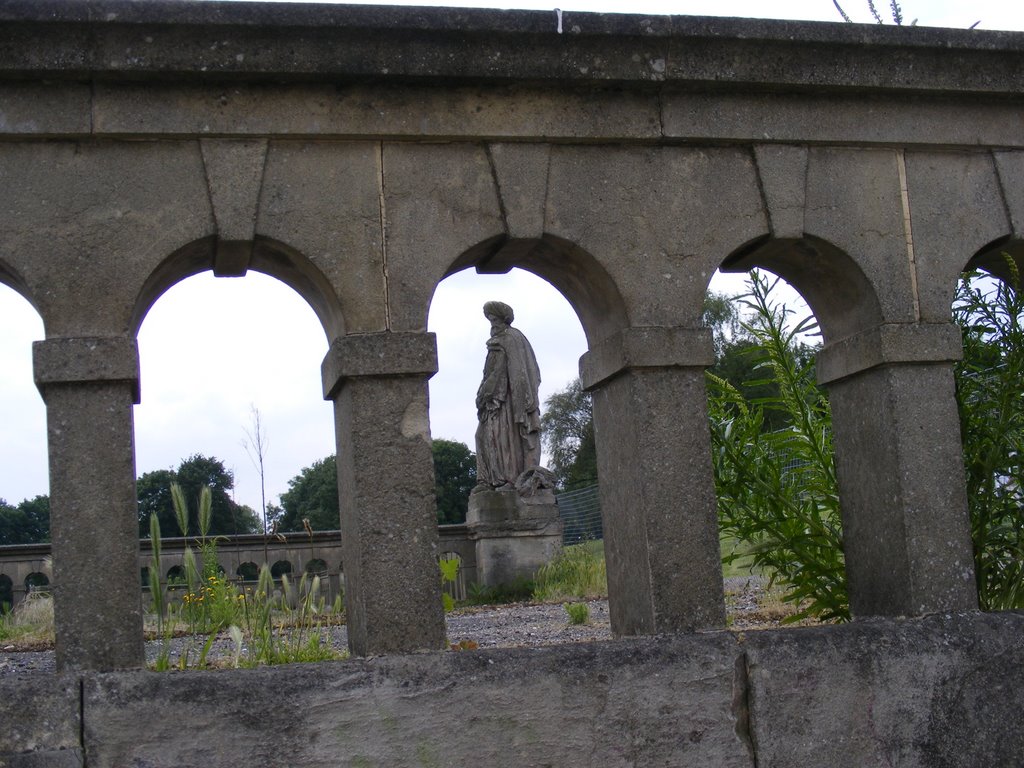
<point>646,347</point>
<point>892,343</point>
<point>383,354</point>
<point>86,359</point>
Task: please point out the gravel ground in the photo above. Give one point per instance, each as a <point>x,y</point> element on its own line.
<point>518,624</point>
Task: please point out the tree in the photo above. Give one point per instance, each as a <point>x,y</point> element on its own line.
<point>256,446</point>
<point>743,361</point>
<point>454,478</point>
<point>192,475</point>
<point>312,495</point>
<point>37,513</point>
<point>27,523</point>
<point>567,427</point>
<point>154,493</point>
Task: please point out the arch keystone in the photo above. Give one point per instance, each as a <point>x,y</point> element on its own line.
<point>521,176</point>
<point>1010,169</point>
<point>234,177</point>
<point>783,173</point>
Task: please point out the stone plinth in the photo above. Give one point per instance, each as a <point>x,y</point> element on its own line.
<point>514,535</point>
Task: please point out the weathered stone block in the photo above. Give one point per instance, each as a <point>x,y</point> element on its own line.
<point>515,535</point>
<point>61,361</point>
<point>378,354</point>
<point>939,692</point>
<point>39,721</point>
<point>646,348</point>
<point>388,514</point>
<point>891,343</point>
<point>906,530</point>
<point>94,525</point>
<point>668,701</point>
<point>660,526</point>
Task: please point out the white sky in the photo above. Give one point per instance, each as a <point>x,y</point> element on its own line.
<point>209,347</point>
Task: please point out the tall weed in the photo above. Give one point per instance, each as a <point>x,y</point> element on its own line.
<point>777,490</point>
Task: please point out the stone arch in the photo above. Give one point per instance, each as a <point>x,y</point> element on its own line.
<point>10,277</point>
<point>248,571</point>
<point>176,573</point>
<point>317,566</point>
<point>575,273</point>
<point>834,286</point>
<point>269,257</point>
<point>990,258</point>
<point>36,580</point>
<point>6,592</point>
<point>23,441</point>
<point>280,568</point>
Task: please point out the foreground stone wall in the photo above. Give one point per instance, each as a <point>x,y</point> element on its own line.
<point>926,693</point>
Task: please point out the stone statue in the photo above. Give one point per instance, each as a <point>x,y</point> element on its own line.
<point>508,436</point>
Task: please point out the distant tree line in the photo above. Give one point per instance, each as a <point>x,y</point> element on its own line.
<point>27,523</point>
<point>312,496</point>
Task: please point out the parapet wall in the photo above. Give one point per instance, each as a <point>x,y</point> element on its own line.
<point>926,693</point>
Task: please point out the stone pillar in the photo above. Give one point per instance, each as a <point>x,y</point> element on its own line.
<point>378,382</point>
<point>514,534</point>
<point>657,486</point>
<point>89,386</point>
<point>899,463</point>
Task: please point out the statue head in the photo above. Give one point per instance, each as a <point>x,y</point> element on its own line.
<point>500,311</point>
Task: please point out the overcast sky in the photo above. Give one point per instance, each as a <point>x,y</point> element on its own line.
<point>211,347</point>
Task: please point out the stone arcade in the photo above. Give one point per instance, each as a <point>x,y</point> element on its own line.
<point>360,155</point>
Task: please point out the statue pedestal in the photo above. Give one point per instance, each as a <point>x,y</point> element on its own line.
<point>514,535</point>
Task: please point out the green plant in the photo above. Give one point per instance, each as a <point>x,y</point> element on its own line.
<point>777,490</point>
<point>577,571</point>
<point>579,613</point>
<point>449,575</point>
<point>988,388</point>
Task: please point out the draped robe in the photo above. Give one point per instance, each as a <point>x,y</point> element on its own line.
<point>508,436</point>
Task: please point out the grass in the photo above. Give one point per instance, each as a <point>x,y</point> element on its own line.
<point>736,558</point>
<point>285,622</point>
<point>578,571</point>
<point>579,613</point>
<point>267,625</point>
<point>30,625</point>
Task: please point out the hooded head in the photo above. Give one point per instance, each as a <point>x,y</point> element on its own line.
<point>499,309</point>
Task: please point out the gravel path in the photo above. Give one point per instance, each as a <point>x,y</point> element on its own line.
<point>516,624</point>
